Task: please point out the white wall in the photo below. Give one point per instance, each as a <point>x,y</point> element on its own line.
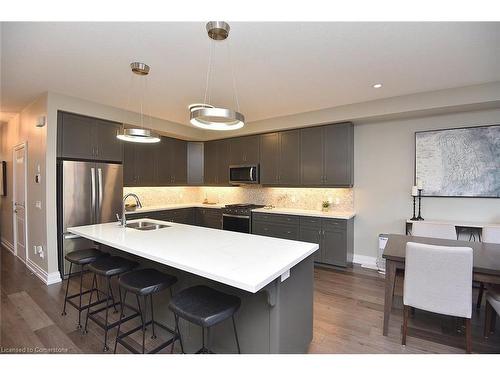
<point>384,155</point>
<point>22,129</point>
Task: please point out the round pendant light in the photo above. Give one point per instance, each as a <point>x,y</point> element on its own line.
<point>209,117</point>
<point>134,134</point>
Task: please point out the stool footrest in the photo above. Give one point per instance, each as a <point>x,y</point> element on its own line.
<point>85,307</point>
<point>99,321</point>
<point>122,336</point>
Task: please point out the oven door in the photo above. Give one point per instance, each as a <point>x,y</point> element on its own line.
<point>236,223</point>
<point>243,174</point>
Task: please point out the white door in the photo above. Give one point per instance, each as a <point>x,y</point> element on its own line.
<point>19,198</point>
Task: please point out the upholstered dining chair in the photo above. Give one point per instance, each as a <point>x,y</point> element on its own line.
<point>438,279</point>
<point>445,231</point>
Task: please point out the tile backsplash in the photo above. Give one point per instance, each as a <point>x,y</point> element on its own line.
<point>301,198</point>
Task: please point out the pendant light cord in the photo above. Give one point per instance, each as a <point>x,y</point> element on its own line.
<point>209,69</point>
<point>235,91</point>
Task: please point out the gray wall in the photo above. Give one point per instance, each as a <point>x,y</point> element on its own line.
<point>384,154</point>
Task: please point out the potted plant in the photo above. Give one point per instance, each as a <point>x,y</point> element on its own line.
<point>325,206</point>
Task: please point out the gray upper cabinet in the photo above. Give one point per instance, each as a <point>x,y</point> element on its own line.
<point>195,163</point>
<point>339,155</point>
<point>326,155</point>
<point>88,138</point>
<point>311,156</point>
<point>109,148</point>
<point>279,158</point>
<point>164,164</point>
<point>244,150</point>
<point>178,160</point>
<point>269,156</point>
<point>216,163</point>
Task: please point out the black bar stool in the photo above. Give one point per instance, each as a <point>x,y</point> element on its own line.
<point>108,267</point>
<point>146,282</point>
<point>81,258</point>
<point>205,307</point>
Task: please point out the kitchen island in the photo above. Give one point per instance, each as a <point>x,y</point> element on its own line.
<point>273,277</point>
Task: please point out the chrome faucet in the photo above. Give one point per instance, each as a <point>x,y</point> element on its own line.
<point>123,219</point>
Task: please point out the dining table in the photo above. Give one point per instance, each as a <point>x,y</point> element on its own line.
<point>486,263</point>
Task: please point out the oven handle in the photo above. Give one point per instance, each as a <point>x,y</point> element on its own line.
<point>237,216</point>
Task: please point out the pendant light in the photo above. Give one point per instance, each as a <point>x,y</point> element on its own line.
<point>207,116</point>
<point>134,134</point>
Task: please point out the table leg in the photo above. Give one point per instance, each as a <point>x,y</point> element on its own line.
<point>390,279</point>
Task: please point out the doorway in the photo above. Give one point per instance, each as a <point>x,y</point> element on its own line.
<point>19,198</point>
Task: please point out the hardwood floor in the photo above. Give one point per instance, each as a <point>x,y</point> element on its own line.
<point>348,314</point>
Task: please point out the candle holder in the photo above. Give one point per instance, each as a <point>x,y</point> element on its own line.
<point>414,203</point>
<point>419,217</point>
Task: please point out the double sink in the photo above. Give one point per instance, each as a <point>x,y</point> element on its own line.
<point>146,225</point>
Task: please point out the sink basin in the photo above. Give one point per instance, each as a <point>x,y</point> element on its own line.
<point>146,225</point>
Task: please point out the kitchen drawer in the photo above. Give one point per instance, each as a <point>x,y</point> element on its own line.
<point>310,222</point>
<point>334,224</point>
<point>276,218</point>
<point>289,232</point>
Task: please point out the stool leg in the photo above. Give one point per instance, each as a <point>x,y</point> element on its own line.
<point>236,336</point>
<point>202,339</point>
<point>79,326</point>
<point>105,348</point>
<point>67,288</point>
<point>90,302</point>
<point>208,340</point>
<point>113,299</point>
<point>143,318</point>
<point>140,311</point>
<point>178,333</point>
<point>152,317</point>
<point>122,308</point>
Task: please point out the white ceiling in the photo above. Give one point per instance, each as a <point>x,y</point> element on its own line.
<point>280,68</point>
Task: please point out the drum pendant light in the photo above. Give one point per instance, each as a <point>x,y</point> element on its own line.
<point>207,116</point>
<point>141,134</point>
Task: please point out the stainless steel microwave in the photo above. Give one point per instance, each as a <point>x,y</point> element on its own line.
<point>244,174</point>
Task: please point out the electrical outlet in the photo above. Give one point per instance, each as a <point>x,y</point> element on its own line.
<point>38,204</point>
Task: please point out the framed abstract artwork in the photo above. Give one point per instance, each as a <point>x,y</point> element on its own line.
<point>459,162</point>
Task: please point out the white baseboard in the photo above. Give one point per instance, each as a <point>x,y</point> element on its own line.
<point>47,278</point>
<point>365,261</point>
<point>7,245</point>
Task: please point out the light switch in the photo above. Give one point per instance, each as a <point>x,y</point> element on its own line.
<point>38,204</point>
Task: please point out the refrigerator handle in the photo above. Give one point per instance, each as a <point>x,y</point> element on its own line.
<point>92,178</point>
<point>99,182</point>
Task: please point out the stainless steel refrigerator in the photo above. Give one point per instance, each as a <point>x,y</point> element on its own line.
<point>88,193</point>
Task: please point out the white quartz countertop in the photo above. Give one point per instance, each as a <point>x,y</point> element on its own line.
<point>241,260</point>
<point>300,212</point>
<point>173,206</point>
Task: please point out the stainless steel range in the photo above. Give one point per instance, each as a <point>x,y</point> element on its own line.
<point>238,217</point>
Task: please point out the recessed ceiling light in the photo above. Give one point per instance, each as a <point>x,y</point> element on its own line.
<point>377,85</point>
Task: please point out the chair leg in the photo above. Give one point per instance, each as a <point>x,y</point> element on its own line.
<point>67,288</point>
<point>79,326</point>
<point>112,298</point>
<point>140,310</point>
<point>487,319</point>
<point>208,340</point>
<point>143,318</point>
<point>480,296</point>
<point>468,336</point>
<point>236,336</point>
<point>405,325</point>
<point>90,302</point>
<point>121,316</point>
<point>152,317</point>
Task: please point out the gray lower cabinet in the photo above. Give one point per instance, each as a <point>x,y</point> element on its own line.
<point>208,217</point>
<point>88,138</point>
<point>181,215</point>
<point>334,236</point>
